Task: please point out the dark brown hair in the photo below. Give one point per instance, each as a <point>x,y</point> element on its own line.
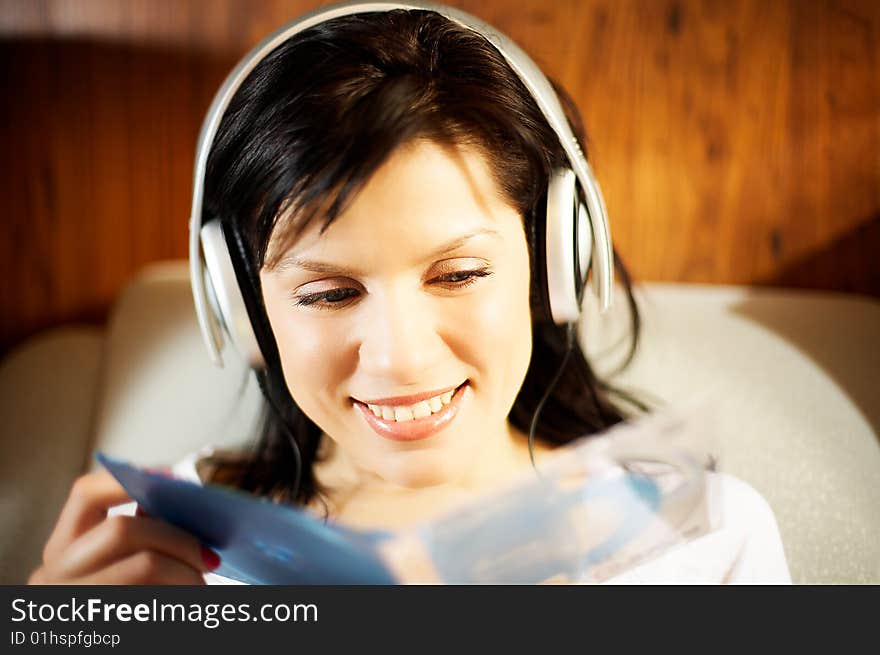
<point>308,128</point>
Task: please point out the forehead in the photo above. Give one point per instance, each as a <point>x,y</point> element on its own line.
<point>425,195</point>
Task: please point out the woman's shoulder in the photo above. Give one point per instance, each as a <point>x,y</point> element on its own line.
<point>186,468</point>
<point>192,466</point>
<point>744,545</point>
<point>746,513</point>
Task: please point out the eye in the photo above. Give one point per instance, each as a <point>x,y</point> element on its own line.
<point>461,279</point>
<point>326,299</point>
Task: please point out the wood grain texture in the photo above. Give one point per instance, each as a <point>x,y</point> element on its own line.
<point>736,142</point>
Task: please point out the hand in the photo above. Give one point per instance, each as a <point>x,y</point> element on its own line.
<point>87,547</point>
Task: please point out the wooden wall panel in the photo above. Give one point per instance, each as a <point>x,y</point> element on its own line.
<point>736,142</point>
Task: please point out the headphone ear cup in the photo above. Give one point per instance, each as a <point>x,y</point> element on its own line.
<point>584,244</point>
<point>224,292</point>
<point>562,246</point>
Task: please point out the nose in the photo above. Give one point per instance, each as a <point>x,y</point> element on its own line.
<point>400,344</point>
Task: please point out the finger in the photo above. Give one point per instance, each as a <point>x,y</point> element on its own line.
<point>121,536</point>
<point>164,471</point>
<point>38,577</point>
<point>145,568</point>
<point>86,506</point>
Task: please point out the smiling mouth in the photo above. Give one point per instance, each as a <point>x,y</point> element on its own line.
<point>416,421</point>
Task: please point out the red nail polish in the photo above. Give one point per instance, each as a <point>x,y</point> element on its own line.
<point>164,471</point>
<point>210,558</point>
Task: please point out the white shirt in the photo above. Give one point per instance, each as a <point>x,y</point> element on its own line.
<point>745,548</point>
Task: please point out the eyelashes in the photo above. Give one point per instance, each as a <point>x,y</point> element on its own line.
<point>336,298</point>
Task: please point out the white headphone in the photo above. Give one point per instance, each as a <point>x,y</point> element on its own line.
<point>576,235</point>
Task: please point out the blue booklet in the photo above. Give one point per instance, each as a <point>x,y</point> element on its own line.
<point>259,542</point>
<point>602,505</point>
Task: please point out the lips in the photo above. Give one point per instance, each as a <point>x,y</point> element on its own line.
<point>420,428</point>
<point>408,400</point>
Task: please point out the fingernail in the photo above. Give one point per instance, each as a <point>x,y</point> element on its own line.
<point>164,471</point>
<point>210,558</point>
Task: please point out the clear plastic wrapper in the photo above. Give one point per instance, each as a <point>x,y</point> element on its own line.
<point>597,508</point>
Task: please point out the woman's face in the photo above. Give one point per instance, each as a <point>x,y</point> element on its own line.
<point>419,290</point>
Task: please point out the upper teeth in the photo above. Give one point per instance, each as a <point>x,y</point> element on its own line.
<point>410,412</point>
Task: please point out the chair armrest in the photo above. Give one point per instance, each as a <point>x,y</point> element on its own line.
<point>161,396</point>
<point>794,378</point>
<point>48,387</point>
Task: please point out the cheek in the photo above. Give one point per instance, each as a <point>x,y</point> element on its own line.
<point>504,317</point>
<point>309,352</point>
<point>496,332</point>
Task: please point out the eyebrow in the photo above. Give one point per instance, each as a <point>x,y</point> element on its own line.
<point>293,261</point>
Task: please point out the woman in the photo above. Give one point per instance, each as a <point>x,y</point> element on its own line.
<point>382,177</point>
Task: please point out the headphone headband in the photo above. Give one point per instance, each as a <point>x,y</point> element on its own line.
<point>519,61</point>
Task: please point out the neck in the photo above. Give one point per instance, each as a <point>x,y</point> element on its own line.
<point>503,454</point>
